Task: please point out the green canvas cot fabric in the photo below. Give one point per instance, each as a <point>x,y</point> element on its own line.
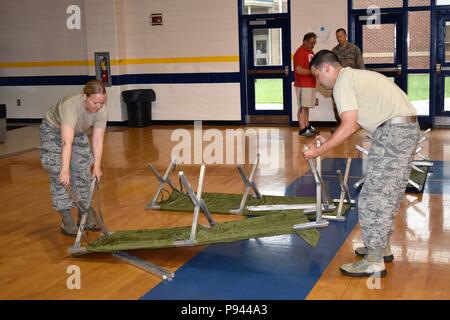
<point>224,202</point>
<point>419,178</point>
<point>263,224</point>
<point>276,223</point>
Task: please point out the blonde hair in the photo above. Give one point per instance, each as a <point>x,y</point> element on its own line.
<point>94,87</point>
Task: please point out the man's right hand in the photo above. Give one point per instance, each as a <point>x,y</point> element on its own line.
<point>64,177</point>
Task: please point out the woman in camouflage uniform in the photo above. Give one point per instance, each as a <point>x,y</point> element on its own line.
<point>66,151</point>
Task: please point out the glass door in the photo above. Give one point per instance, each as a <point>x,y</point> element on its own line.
<point>442,110</point>
<point>268,69</point>
<point>265,61</point>
<point>382,45</point>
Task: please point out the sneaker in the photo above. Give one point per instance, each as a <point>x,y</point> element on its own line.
<point>387,253</point>
<point>365,267</point>
<point>306,132</point>
<point>91,223</point>
<point>313,130</point>
<point>67,226</point>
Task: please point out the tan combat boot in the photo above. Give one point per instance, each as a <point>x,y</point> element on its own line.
<point>387,253</point>
<point>371,264</point>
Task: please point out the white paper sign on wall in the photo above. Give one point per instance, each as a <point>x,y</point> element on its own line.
<point>322,32</point>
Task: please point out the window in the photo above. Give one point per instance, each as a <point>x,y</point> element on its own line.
<point>364,4</point>
<point>264,6</point>
<point>447,95</point>
<point>377,46</point>
<point>267,47</point>
<point>419,39</point>
<point>419,3</point>
<point>419,92</point>
<point>269,94</point>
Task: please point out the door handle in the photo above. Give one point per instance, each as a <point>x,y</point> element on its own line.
<point>383,69</point>
<point>397,69</point>
<point>440,68</point>
<point>284,71</point>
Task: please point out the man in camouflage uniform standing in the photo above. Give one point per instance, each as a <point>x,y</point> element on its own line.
<point>66,151</point>
<point>350,56</point>
<point>369,100</point>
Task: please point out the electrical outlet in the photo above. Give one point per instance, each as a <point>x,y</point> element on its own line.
<point>19,103</point>
<point>317,101</point>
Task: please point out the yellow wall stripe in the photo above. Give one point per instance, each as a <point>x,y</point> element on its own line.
<point>179,60</point>
<point>37,64</point>
<point>83,63</point>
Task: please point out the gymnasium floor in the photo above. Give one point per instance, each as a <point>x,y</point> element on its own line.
<point>34,260</point>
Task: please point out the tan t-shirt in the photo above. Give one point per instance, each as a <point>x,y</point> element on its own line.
<point>70,111</point>
<point>375,97</point>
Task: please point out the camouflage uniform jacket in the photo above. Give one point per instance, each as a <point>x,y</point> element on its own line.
<point>349,56</point>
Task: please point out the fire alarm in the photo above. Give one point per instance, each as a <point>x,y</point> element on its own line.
<point>156,19</point>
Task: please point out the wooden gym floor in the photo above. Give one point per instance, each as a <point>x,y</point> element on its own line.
<point>34,259</point>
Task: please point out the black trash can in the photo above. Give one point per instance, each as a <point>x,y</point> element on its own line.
<point>139,106</point>
<point>2,122</point>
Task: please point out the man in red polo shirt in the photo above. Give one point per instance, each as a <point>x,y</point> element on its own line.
<point>305,84</point>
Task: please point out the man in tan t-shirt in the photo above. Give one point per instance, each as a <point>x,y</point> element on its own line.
<point>66,152</point>
<point>369,100</point>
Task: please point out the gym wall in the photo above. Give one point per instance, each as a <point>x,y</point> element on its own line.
<point>197,37</point>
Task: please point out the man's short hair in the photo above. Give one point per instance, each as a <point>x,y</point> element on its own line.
<point>324,56</point>
<point>308,36</point>
<point>341,29</point>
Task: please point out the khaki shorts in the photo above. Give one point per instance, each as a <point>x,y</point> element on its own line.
<point>306,97</point>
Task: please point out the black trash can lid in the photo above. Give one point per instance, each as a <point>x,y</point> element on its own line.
<point>138,94</point>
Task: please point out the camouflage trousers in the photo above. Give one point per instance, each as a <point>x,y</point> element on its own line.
<point>388,170</point>
<point>80,165</point>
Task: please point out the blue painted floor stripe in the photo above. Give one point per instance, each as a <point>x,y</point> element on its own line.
<point>438,180</point>
<point>272,268</point>
<point>282,267</point>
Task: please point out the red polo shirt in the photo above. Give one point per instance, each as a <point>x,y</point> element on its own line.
<point>303,57</point>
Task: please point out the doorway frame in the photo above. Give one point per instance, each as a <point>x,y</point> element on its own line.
<point>424,121</point>
<point>244,54</point>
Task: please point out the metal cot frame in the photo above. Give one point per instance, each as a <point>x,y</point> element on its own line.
<point>199,205</point>
<point>86,209</point>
